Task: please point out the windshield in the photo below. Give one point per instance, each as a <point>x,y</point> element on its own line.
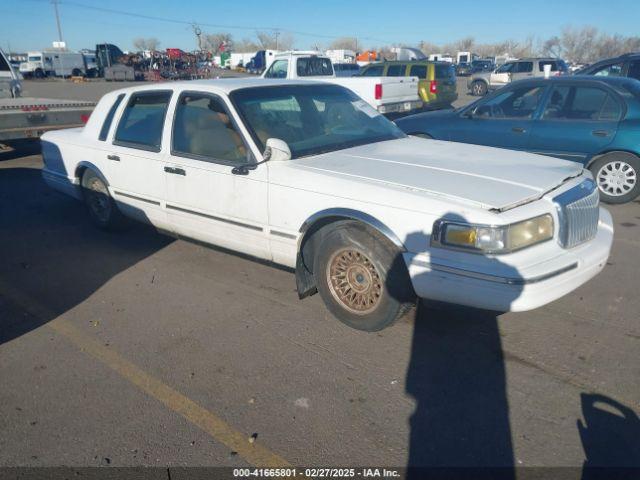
<point>312,119</point>
<point>35,58</point>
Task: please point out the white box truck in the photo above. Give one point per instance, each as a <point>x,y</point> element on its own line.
<point>58,63</point>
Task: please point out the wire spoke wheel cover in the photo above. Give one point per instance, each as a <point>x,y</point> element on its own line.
<point>354,281</point>
<point>99,199</point>
<point>616,178</point>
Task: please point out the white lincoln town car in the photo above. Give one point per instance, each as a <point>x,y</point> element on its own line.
<point>309,176</point>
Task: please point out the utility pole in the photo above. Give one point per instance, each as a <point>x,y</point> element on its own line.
<point>55,7</point>
<point>277,33</point>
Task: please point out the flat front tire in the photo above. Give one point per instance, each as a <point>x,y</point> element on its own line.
<point>617,175</point>
<point>361,278</point>
<point>102,210</point>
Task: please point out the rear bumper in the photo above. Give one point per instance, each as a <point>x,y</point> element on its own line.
<point>62,183</point>
<point>515,292</point>
<point>400,107</point>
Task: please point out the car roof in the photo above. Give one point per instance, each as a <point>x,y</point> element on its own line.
<point>218,85</point>
<point>615,81</point>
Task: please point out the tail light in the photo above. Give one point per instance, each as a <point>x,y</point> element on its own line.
<point>378,91</point>
<point>85,118</point>
<point>433,86</point>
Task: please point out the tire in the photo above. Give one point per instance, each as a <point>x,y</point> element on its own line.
<point>76,72</point>
<point>361,277</point>
<point>103,211</point>
<point>479,88</point>
<point>617,175</point>
<point>39,73</point>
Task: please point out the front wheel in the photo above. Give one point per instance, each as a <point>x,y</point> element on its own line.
<point>361,278</point>
<point>478,88</point>
<point>617,174</point>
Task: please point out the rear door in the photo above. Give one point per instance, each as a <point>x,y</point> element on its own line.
<point>504,119</point>
<point>577,122</point>
<point>522,70</point>
<point>134,159</point>
<point>445,86</point>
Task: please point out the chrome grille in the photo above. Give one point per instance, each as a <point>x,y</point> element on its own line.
<point>579,213</point>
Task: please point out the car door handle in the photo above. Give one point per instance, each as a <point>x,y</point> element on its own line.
<point>115,158</point>
<point>175,171</point>
<point>518,130</point>
<point>600,133</point>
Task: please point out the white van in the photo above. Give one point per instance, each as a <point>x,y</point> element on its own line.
<point>57,63</point>
<point>10,85</point>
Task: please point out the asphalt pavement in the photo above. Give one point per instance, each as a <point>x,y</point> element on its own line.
<point>137,349</point>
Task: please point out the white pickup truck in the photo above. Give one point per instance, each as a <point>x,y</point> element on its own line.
<point>388,95</point>
<point>307,175</point>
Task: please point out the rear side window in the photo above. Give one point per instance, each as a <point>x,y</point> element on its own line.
<point>142,120</point>
<point>396,70</point>
<point>581,103</point>
<point>104,131</point>
<point>445,71</point>
<point>634,70</point>
<point>524,67</point>
<point>203,128</point>
<point>419,71</point>
<point>314,66</point>
<point>554,65</point>
<point>375,71</point>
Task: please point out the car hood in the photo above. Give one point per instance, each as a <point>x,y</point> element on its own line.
<point>491,178</point>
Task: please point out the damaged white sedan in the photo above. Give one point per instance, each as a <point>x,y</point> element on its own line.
<point>309,176</point>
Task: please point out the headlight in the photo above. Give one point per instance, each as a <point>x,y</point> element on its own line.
<point>489,239</point>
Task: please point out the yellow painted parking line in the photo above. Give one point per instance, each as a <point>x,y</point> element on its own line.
<point>254,453</point>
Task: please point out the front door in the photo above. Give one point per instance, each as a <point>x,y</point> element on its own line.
<point>578,121</point>
<point>501,75</point>
<point>504,119</point>
<point>205,200</point>
<point>134,166</point>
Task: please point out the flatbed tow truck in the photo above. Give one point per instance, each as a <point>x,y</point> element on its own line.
<point>22,118</point>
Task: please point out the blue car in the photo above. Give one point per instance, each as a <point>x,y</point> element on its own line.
<point>586,119</point>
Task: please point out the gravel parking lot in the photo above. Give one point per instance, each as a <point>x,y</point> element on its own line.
<point>138,349</point>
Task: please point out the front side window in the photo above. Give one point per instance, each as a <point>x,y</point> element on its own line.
<point>375,71</point>
<point>581,103</point>
<point>312,119</point>
<point>278,69</point>
<point>523,67</point>
<point>314,67</point>
<point>4,66</point>
<point>520,103</point>
<point>395,71</point>
<point>142,120</point>
<point>202,128</point>
<point>611,70</point>
<point>506,68</point>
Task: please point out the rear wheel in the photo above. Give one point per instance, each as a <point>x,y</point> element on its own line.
<point>617,175</point>
<point>76,72</point>
<point>103,211</point>
<point>479,88</point>
<point>362,279</point>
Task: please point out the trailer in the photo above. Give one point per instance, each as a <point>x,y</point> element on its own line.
<point>30,117</point>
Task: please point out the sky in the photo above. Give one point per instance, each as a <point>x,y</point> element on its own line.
<point>30,24</point>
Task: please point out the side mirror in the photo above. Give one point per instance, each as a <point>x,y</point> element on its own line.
<point>276,150</point>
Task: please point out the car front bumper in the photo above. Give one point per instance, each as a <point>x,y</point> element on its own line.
<point>514,292</point>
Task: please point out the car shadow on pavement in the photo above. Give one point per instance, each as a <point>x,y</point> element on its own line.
<point>456,375</point>
<point>610,437</point>
<point>51,255</point>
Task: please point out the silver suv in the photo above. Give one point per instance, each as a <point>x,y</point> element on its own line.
<point>482,82</point>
